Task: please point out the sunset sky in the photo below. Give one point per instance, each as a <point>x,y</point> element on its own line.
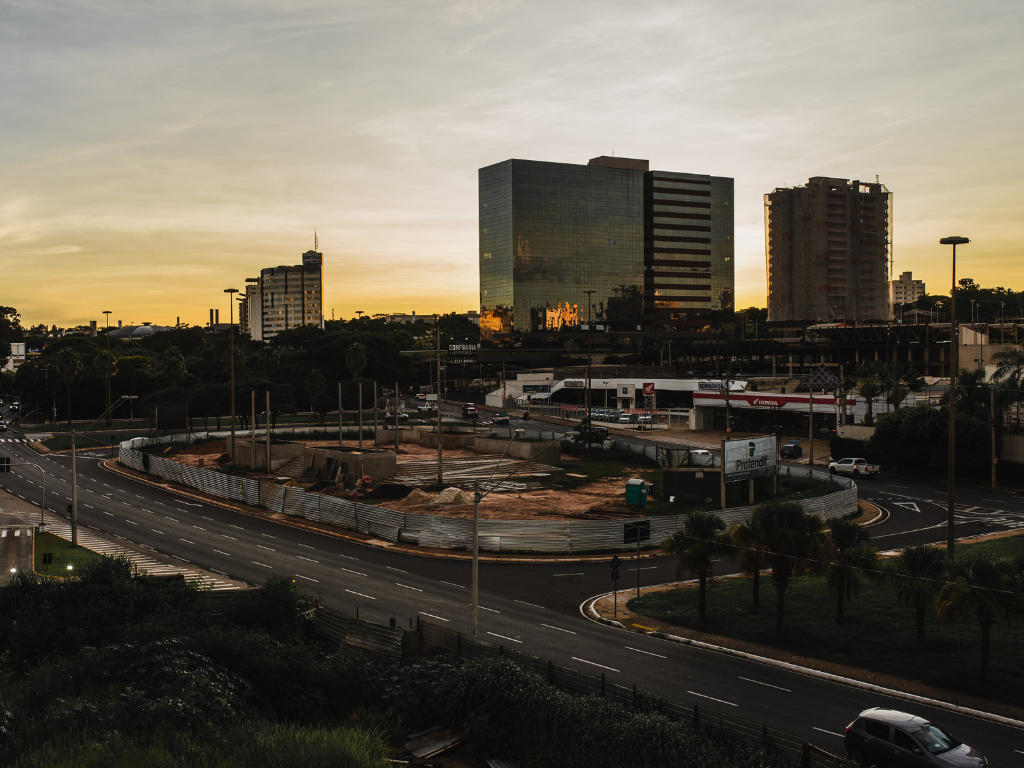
<point>154,153</point>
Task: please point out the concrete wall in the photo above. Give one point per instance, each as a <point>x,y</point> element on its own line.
<point>545,453</point>
<point>281,452</point>
<point>386,435</point>
<point>1013,448</point>
<point>856,431</point>
<point>354,464</point>
<point>448,439</point>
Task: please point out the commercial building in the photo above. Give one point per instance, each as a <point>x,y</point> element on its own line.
<point>654,247</point>
<point>828,245</point>
<point>906,290</point>
<point>284,297</point>
<point>17,358</point>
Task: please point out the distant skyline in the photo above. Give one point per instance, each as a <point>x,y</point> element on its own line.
<point>153,154</point>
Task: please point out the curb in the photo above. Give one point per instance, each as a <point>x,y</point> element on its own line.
<point>337,534</point>
<point>588,612</point>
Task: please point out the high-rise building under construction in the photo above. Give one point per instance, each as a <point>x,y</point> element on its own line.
<point>828,246</point>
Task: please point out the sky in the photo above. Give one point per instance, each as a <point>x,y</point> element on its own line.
<point>153,154</point>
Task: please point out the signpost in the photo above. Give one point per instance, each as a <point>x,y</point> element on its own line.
<point>639,531</point>
<point>616,562</point>
<point>748,459</point>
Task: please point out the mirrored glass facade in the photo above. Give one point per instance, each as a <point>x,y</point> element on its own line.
<point>656,248</point>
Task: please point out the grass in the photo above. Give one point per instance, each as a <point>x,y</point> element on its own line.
<point>63,555</point>
<point>879,633</point>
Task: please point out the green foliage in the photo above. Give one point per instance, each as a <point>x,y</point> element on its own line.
<point>915,440</point>
<point>914,575</point>
<point>850,554</point>
<point>699,543</point>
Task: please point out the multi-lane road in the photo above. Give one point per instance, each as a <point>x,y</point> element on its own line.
<point>534,607</point>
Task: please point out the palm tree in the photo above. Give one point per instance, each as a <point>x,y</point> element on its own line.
<point>750,540</point>
<point>105,364</point>
<point>68,364</point>
<point>796,543</point>
<point>850,553</point>
<point>868,373</point>
<point>984,588</point>
<point>898,381</point>
<point>914,574</point>
<point>1010,368</point>
<point>697,543</point>
<point>316,385</point>
<point>174,366</point>
<point>269,360</point>
<point>355,359</point>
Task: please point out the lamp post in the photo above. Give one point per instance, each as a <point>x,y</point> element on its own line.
<point>107,313</point>
<point>231,330</point>
<point>954,364</point>
<point>590,344</point>
<point>474,589</point>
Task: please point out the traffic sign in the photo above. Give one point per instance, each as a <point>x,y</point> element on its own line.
<point>615,563</point>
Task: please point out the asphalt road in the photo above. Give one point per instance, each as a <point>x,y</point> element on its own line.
<point>532,607</point>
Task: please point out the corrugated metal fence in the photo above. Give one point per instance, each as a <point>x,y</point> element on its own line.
<point>393,645</point>
<point>443,532</point>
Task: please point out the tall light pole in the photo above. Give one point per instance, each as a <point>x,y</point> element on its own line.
<point>107,313</point>
<point>590,345</point>
<point>231,330</point>
<point>954,365</point>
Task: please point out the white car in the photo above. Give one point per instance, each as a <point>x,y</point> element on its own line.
<point>702,458</point>
<point>624,419</point>
<point>853,467</point>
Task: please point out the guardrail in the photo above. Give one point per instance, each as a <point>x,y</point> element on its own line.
<point>392,645</point>
<point>551,536</point>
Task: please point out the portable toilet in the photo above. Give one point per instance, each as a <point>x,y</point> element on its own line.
<point>636,493</point>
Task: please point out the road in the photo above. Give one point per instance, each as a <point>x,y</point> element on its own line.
<point>532,607</point>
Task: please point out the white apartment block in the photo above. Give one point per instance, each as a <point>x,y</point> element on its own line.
<point>906,290</point>
<point>284,297</point>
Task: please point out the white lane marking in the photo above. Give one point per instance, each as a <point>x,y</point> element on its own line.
<point>568,574</point>
<point>766,685</point>
<point>202,516</point>
<point>176,521</point>
<point>487,609</point>
<point>450,584</point>
<point>89,506</point>
<point>263,564</point>
<point>628,648</point>
<point>357,573</point>
<point>111,514</point>
<point>189,503</point>
<point>307,578</point>
<point>712,698</point>
<point>832,733</point>
<point>268,535</point>
<point>503,637</point>
<point>219,552</point>
<point>131,521</point>
<point>307,546</point>
<point>395,569</point>
<point>203,529</point>
<point>602,666</point>
<point>533,605</point>
<point>408,587</point>
<point>225,536</point>
<point>186,541</point>
<point>308,559</point>
<point>236,526</point>
<point>904,487</point>
<point>347,557</point>
<point>559,629</point>
<point>360,594</point>
<point>269,548</point>
<point>440,618</point>
<point>137,496</point>
<point>645,568</point>
<point>220,572</point>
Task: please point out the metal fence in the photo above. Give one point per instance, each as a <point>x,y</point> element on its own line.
<point>394,645</point>
<point>573,536</point>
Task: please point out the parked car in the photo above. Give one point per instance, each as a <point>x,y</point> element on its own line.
<point>791,450</point>
<point>501,418</point>
<point>601,432</point>
<point>623,419</point>
<point>854,467</point>
<point>389,417</point>
<point>469,411</point>
<point>702,458</point>
<point>427,408</point>
<point>644,418</point>
<point>3,426</point>
<point>895,739</point>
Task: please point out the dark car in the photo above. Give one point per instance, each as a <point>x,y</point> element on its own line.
<point>3,426</point>
<point>791,450</point>
<point>501,418</point>
<point>885,737</point>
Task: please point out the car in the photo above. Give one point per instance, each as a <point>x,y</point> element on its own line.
<point>887,737</point>
<point>791,450</point>
<point>3,426</point>
<point>469,411</point>
<point>501,418</point>
<point>427,408</point>
<point>601,432</point>
<point>421,396</point>
<point>389,418</point>
<point>855,467</point>
<point>644,418</point>
<point>702,458</point>
<point>623,419</point>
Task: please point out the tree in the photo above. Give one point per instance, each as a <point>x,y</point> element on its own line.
<point>316,386</point>
<point>1009,368</point>
<point>355,359</point>
<point>985,588</point>
<point>174,366</point>
<point>849,554</point>
<point>105,364</point>
<point>698,542</point>
<point>68,364</point>
<point>914,574</point>
<point>270,361</point>
<point>897,381</point>
<point>751,540</point>
<point>796,543</point>
<point>868,373</point>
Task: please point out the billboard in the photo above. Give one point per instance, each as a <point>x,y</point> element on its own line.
<point>537,389</point>
<point>649,389</point>
<point>749,458</point>
<point>464,354</point>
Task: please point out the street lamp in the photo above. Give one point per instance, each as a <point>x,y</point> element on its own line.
<point>590,343</point>
<point>231,329</point>
<point>474,589</point>
<point>954,364</point>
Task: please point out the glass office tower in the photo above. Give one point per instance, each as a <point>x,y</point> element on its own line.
<point>655,247</point>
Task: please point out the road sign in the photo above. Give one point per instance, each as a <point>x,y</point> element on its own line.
<point>615,563</point>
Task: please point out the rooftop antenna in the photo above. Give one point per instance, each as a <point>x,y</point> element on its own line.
<point>316,241</point>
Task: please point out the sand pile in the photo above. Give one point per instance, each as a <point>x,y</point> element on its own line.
<point>452,496</point>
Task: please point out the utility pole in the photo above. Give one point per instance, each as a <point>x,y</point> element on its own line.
<point>954,369</point>
<point>268,431</point>
<point>252,432</point>
<point>810,428</point>
<point>440,472</point>
<point>396,418</point>
<point>474,587</point>
<point>992,419</point>
<point>375,415</point>
<point>360,415</point>
<point>341,417</point>
<point>590,344</point>
<point>231,328</point>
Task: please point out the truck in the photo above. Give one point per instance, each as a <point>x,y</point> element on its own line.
<point>854,467</point>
